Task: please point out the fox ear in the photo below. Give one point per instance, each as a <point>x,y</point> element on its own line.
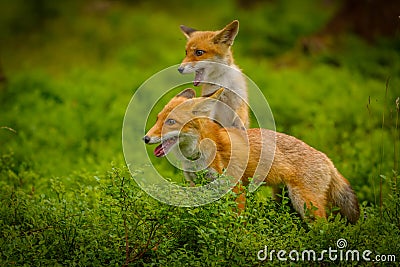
<point>187,31</point>
<point>206,104</point>
<point>227,34</point>
<point>187,93</point>
<point>217,93</point>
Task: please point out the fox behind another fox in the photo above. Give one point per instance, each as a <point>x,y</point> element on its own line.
<point>209,56</point>
<point>310,176</point>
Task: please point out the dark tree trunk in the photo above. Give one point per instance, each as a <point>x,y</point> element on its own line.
<point>366,18</point>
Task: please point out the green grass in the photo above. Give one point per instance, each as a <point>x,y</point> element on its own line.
<point>71,68</point>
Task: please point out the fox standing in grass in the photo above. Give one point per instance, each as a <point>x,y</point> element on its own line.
<point>209,56</point>
<point>310,176</point>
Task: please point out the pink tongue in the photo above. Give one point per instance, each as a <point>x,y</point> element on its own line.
<point>197,78</point>
<point>159,151</point>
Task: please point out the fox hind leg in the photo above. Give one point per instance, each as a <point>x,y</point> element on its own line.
<point>301,198</point>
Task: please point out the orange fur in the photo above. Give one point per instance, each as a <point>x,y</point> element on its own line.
<point>309,175</point>
<point>209,55</point>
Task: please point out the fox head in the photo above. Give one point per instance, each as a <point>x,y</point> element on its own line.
<point>203,47</point>
<point>178,122</point>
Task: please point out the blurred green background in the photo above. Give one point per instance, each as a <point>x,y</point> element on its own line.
<point>330,70</point>
<point>69,69</point>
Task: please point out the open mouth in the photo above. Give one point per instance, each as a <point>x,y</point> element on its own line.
<point>165,146</point>
<point>199,77</point>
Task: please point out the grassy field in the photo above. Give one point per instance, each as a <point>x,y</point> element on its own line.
<point>70,71</point>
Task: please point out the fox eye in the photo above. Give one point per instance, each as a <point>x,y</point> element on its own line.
<point>170,122</point>
<point>186,52</point>
<point>199,52</point>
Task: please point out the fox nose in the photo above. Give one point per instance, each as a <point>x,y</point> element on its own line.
<point>180,69</point>
<point>146,139</point>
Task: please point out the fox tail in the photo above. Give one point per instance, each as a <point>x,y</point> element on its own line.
<point>343,196</point>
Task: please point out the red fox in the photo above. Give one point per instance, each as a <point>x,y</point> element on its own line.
<point>209,56</point>
<point>310,176</point>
